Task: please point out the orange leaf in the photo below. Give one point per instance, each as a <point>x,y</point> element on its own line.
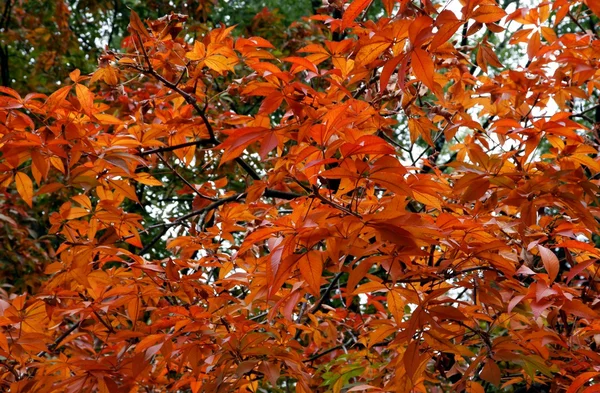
<point>423,68</point>
<point>198,53</point>
<point>395,305</point>
<point>105,119</point>
<point>388,70</point>
<point>488,14</point>
<point>24,187</point>
<point>593,5</point>
<point>485,56</point>
<point>550,261</point>
<point>353,11</point>
<point>147,179</point>
<point>302,62</point>
<point>474,387</point>
<point>581,380</point>
<point>57,98</point>
<point>195,386</point>
<point>357,274</point>
<point>85,98</point>
<point>447,24</point>
<point>412,359</point>
<point>370,52</point>
<point>220,63</point>
<point>125,189</point>
<point>133,309</point>
<point>311,268</point>
<point>534,45</point>
<point>75,75</point>
<point>278,271</point>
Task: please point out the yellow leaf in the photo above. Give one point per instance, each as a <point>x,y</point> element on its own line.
<point>24,187</point>
<point>147,179</point>
<point>198,53</point>
<point>220,63</point>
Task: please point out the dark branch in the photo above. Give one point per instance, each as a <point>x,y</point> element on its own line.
<point>52,347</point>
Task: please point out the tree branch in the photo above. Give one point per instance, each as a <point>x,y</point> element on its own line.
<point>190,99</point>
<point>52,347</point>
<point>326,293</point>
<point>327,351</point>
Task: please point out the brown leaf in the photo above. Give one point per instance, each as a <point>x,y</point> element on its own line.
<point>137,25</point>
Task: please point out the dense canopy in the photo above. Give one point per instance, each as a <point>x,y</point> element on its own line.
<point>346,196</point>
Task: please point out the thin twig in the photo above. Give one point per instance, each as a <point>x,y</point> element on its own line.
<point>11,369</point>
<point>332,203</point>
<point>183,179</point>
<point>199,142</point>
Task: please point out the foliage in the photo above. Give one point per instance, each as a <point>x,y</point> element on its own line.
<point>42,41</point>
<point>376,204</point>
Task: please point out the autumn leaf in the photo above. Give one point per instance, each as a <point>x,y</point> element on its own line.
<point>423,68</point>
<point>354,10</point>
<point>348,210</point>
<point>550,261</point>
<point>396,305</point>
<point>488,14</point>
<point>137,25</point>
<point>217,57</point>
<point>57,98</point>
<point>24,187</point>
<point>447,24</point>
<point>311,268</point>
<point>85,98</point>
<point>491,372</point>
<point>368,53</point>
<point>485,56</point>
